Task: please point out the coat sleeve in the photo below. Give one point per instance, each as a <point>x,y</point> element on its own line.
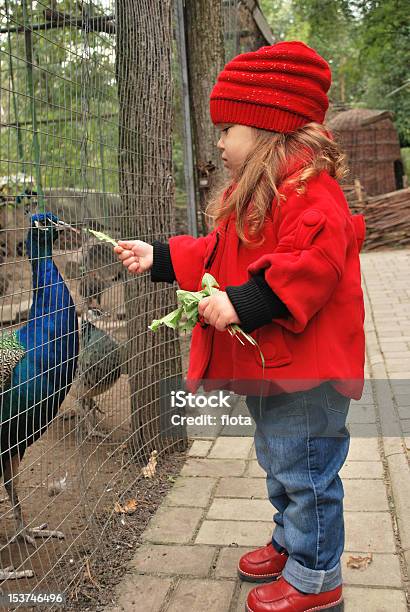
<point>188,257</point>
<point>307,263</point>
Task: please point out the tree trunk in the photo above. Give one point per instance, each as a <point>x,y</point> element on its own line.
<point>205,50</point>
<point>143,72</point>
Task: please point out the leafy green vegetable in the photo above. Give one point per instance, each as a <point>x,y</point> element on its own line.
<point>186,316</point>
<point>101,236</point>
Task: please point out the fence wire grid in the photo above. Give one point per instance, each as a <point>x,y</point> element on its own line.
<point>86,130</point>
<point>91,136</point>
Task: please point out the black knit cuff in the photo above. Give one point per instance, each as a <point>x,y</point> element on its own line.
<point>255,303</point>
<point>162,268</point>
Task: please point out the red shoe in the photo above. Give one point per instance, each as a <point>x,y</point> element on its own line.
<point>262,565</point>
<point>280,596</point>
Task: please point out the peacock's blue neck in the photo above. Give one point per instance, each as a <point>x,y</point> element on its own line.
<point>50,291</point>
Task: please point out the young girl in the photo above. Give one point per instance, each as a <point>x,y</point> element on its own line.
<point>285,252</point>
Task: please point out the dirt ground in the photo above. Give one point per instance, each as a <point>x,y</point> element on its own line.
<point>98,540</point>
<point>97,473</point>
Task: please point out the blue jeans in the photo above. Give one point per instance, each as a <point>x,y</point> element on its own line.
<point>301,442</point>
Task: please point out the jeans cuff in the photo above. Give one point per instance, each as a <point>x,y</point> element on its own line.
<point>278,537</point>
<point>312,581</point>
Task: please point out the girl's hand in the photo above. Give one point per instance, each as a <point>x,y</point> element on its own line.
<point>217,310</point>
<point>135,255</point>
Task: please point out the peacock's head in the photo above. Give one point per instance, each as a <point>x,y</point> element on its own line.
<point>44,229</point>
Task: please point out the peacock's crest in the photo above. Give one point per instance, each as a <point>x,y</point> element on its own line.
<point>11,352</point>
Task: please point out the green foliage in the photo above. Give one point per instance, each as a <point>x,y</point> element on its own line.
<point>76,104</point>
<point>365,43</point>
<point>68,123</point>
<point>385,56</point>
<point>186,316</point>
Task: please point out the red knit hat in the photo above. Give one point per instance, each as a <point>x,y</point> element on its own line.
<point>280,88</point>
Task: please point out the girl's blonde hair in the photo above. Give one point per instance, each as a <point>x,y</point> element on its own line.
<point>266,168</point>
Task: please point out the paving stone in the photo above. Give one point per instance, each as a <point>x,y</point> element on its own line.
<point>392,353</point>
<point>244,589</point>
<point>364,430</point>
<point>365,495</point>
<point>405,425</point>
<point>374,600</point>
<point>226,566</point>
<point>172,524</point>
<point>241,487</point>
<point>391,334</point>
<point>201,595</point>
<point>404,412</point>
<point>241,510</point>
<point>401,392</point>
<point>254,470</point>
<point>392,344</point>
<point>384,570</point>
<point>200,448</point>
<point>174,559</point>
<point>213,467</point>
<point>369,531</point>
<point>241,533</point>
<point>190,491</point>
<point>363,449</point>
<point>398,365</point>
<point>362,413</point>
<point>137,592</point>
<point>361,469</point>
<point>231,448</point>
<point>399,375</point>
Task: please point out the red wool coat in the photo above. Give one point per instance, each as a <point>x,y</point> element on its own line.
<point>311,261</point>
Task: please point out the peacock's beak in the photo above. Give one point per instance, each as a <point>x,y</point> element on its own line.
<point>61,225</point>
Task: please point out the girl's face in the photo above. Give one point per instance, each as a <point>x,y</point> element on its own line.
<point>236,142</point>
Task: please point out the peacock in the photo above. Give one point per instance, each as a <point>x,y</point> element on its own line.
<point>37,366</point>
<point>99,366</point>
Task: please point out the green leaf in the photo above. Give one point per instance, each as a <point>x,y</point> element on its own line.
<point>189,297</point>
<point>101,236</point>
<point>209,283</point>
<point>186,316</point>
<point>170,320</point>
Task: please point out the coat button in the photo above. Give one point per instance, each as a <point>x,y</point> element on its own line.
<point>312,217</point>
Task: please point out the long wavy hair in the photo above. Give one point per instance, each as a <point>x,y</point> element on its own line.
<point>251,191</point>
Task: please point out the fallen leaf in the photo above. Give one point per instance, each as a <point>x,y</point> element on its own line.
<point>360,563</point>
<point>149,470</point>
<point>128,508</point>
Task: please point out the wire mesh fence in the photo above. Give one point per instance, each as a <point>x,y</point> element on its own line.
<point>86,139</point>
<point>91,137</point>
